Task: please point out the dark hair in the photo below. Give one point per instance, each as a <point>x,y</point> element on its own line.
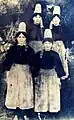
<point>18,33</point>
<point>35,14</point>
<point>48,39</point>
<point>55,15</point>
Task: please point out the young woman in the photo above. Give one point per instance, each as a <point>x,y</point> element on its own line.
<point>18,65</point>
<point>58,44</point>
<point>48,71</point>
<point>36,30</point>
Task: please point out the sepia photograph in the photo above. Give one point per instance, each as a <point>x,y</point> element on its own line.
<point>36,60</point>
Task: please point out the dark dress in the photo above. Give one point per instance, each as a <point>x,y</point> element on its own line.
<point>35,36</point>
<point>57,33</point>
<point>48,71</point>
<point>58,45</point>
<point>19,80</point>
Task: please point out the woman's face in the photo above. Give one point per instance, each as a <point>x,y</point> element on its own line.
<point>56,21</point>
<point>47,46</point>
<point>37,19</point>
<point>21,39</point>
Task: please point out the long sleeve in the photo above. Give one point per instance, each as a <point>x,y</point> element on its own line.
<point>36,64</point>
<point>8,61</point>
<point>58,67</point>
<point>30,59</point>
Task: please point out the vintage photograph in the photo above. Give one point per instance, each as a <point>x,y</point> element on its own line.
<point>36,60</point>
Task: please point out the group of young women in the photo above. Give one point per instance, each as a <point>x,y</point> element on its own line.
<point>35,66</point>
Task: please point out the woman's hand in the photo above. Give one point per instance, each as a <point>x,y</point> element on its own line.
<point>64,77</point>
<point>7,73</point>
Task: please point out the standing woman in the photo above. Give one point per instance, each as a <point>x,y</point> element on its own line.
<point>18,64</point>
<point>58,44</point>
<point>48,71</point>
<point>36,30</point>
